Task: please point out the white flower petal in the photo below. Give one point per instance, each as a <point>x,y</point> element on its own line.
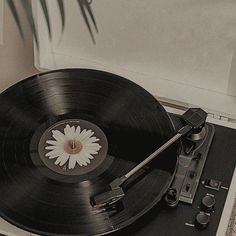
<point>80,162</point>
<point>88,134</point>
<point>77,131</point>
<point>86,159</point>
<point>64,158</point>
<point>90,156</point>
<point>91,140</point>
<point>82,134</point>
<point>78,159</point>
<point>59,136</point>
<point>52,142</point>
<point>94,149</point>
<point>82,156</point>
<point>58,160</point>
<point>52,154</point>
<point>83,161</point>
<point>93,152</point>
<point>51,147</point>
<point>93,146</point>
<point>69,132</point>
<point>72,162</point>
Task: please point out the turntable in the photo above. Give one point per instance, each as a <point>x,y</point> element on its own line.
<point>77,158</point>
<point>186,189</point>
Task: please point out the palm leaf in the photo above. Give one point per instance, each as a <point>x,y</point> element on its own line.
<point>28,11</point>
<point>14,12</point>
<point>46,15</point>
<point>62,12</point>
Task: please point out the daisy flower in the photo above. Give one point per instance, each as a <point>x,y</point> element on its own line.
<point>73,146</point>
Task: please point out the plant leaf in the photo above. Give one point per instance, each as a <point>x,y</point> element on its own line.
<point>62,12</point>
<point>28,10</point>
<point>82,9</point>
<point>14,12</point>
<point>46,15</point>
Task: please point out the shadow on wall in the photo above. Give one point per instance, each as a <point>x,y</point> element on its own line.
<point>16,56</point>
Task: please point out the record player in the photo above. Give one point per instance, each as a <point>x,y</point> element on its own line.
<point>200,196</point>
<point>82,165</point>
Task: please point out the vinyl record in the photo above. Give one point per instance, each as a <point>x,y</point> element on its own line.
<point>64,136</point>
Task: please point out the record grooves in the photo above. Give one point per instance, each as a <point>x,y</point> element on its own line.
<point>48,202</point>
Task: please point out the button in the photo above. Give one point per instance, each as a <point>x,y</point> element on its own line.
<point>208,203</point>
<point>202,220</point>
<point>212,184</point>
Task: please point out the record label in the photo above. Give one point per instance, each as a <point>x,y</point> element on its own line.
<point>73,147</point>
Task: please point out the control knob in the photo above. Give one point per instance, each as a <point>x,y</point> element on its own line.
<point>208,203</point>
<point>202,220</point>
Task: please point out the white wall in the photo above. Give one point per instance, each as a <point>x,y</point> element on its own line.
<point>16,57</point>
<point>180,50</point>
